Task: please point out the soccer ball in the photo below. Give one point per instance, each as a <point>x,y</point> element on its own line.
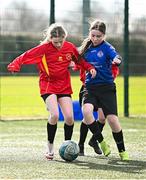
<point>69,150</point>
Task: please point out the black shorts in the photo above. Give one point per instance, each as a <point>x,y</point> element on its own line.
<point>81,93</point>
<point>44,96</point>
<point>103,96</point>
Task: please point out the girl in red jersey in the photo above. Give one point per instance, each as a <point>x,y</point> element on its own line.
<point>52,58</point>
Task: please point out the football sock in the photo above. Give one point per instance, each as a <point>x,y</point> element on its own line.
<point>83,133</point>
<point>100,125</point>
<point>51,130</point>
<point>118,137</point>
<point>96,131</point>
<point>68,130</point>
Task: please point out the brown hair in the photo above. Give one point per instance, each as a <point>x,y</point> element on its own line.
<point>97,25</point>
<point>54,30</point>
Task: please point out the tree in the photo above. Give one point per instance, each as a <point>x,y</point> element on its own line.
<point>20,18</point>
<point>138,28</point>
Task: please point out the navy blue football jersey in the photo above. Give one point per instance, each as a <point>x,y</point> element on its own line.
<point>101,58</point>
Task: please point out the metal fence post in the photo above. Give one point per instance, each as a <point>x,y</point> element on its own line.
<point>126,58</point>
<point>52,11</point>
<point>86,15</point>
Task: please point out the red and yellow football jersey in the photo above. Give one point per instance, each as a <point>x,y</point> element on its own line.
<point>52,65</point>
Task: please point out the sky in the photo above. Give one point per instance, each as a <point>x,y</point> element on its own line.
<point>137,7</point>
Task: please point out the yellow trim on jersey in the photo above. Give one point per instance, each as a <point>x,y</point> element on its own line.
<point>45,64</point>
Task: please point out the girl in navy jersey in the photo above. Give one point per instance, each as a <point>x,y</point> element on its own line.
<point>101,90</point>
<point>52,58</point>
<point>101,118</point>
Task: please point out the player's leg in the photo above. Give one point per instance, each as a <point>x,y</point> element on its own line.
<point>84,130</point>
<point>82,137</point>
<point>118,135</point>
<point>52,107</point>
<point>101,122</point>
<point>67,110</point>
<point>101,119</point>
<point>89,118</point>
<point>83,126</point>
<point>109,106</point>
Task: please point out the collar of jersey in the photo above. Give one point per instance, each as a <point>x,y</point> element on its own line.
<point>98,44</point>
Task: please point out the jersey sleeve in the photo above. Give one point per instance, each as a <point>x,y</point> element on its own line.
<point>112,52</point>
<point>115,70</point>
<point>80,61</point>
<point>32,56</point>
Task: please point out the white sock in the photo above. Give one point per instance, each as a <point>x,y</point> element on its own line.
<point>50,148</point>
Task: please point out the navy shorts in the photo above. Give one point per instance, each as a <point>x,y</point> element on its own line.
<point>81,93</point>
<point>103,96</point>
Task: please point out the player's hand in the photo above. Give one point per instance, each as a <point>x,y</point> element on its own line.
<point>13,68</point>
<point>116,61</point>
<point>93,73</point>
<point>71,65</point>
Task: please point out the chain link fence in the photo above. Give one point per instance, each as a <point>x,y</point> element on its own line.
<point>22,26</point>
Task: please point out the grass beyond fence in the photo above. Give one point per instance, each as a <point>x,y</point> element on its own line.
<point>23,144</point>
<point>20,96</point>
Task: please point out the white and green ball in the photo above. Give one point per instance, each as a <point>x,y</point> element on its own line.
<point>69,150</point>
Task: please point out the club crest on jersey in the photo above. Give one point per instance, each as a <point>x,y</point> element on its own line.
<point>60,58</point>
<point>100,54</point>
<point>68,56</point>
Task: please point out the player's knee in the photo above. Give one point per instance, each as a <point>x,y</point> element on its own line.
<point>112,119</point>
<point>86,111</point>
<point>54,117</point>
<point>69,120</point>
